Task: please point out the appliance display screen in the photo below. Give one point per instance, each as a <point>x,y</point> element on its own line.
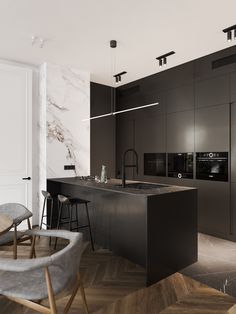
<point>155,164</point>
<point>212,166</point>
<point>180,165</point>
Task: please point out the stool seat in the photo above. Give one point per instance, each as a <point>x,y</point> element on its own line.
<point>71,205</point>
<point>76,200</point>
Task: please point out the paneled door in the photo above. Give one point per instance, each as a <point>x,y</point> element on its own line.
<point>15,135</point>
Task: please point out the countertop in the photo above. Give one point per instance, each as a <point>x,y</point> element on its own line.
<point>113,186</point>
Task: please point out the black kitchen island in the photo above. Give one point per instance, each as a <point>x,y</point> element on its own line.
<point>154,226</point>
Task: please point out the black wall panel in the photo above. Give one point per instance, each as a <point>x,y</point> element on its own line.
<point>125,139</point>
<point>180,132</point>
<point>233,87</point>
<point>212,129</point>
<point>180,99</point>
<point>150,137</point>
<point>214,208</point>
<point>233,142</point>
<point>212,92</point>
<point>103,141</point>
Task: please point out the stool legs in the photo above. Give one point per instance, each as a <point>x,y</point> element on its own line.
<point>89,226</point>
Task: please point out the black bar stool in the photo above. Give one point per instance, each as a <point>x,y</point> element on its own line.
<point>47,197</point>
<point>71,203</point>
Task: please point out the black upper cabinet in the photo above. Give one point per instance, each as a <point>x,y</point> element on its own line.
<point>212,129</point>
<point>180,99</point>
<point>233,87</point>
<point>180,132</point>
<point>203,66</point>
<point>124,141</point>
<point>212,92</point>
<point>102,131</point>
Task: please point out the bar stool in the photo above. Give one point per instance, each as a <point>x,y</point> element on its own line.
<point>47,197</point>
<point>71,203</point>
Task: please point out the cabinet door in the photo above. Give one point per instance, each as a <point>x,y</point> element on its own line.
<point>233,142</point>
<point>233,86</point>
<point>180,132</point>
<point>212,92</point>
<point>212,129</point>
<point>214,208</point>
<point>180,99</point>
<point>150,137</point>
<point>125,140</point>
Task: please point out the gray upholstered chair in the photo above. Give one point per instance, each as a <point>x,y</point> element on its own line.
<point>29,281</point>
<point>18,213</point>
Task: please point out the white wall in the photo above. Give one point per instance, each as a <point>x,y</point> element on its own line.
<point>61,99</point>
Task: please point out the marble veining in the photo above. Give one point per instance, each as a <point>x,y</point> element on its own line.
<point>67,104</point>
<point>216,264</point>
<point>63,137</point>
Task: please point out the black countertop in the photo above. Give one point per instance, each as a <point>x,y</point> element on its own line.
<point>113,186</point>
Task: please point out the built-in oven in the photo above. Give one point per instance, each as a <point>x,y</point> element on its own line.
<point>155,164</point>
<point>180,165</point>
<point>212,166</point>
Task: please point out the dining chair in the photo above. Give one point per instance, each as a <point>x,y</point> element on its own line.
<point>18,213</point>
<point>30,281</point>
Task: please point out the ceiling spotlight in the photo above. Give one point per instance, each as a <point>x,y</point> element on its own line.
<point>118,76</point>
<point>229,31</point>
<point>229,36</point>
<point>163,59</point>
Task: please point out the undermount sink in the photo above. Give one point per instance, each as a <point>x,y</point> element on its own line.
<point>142,186</point>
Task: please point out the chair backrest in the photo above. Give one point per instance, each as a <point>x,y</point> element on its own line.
<point>17,212</point>
<point>68,258</point>
<point>46,194</point>
<point>63,199</point>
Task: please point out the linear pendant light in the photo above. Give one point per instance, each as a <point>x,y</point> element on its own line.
<point>121,111</point>
<point>113,44</point>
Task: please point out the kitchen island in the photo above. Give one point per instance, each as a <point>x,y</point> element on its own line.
<point>153,225</point>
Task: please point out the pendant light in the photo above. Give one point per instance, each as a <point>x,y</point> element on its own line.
<point>117,77</point>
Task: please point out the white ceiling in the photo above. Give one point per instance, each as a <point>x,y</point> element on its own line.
<point>78,33</point>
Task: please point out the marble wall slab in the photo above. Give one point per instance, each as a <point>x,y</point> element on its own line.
<point>68,137</point>
<point>64,139</point>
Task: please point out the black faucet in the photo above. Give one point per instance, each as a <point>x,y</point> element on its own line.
<point>124,166</point>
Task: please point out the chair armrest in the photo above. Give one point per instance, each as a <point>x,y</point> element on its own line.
<point>20,265</point>
<point>51,233</point>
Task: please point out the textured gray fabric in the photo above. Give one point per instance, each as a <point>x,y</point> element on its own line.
<point>24,278</point>
<point>8,237</point>
<point>17,212</point>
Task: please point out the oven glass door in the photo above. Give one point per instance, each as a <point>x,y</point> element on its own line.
<point>212,166</point>
<point>155,164</point>
<point>180,165</point>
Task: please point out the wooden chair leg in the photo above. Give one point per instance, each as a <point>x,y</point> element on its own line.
<point>32,249</point>
<point>83,294</point>
<point>50,292</point>
<point>68,305</point>
<point>15,242</point>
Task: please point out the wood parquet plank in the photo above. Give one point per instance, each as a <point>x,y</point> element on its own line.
<point>106,278</point>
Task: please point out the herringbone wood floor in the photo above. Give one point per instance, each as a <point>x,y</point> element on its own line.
<point>106,278</point>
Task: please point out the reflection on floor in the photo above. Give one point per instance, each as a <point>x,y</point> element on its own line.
<point>216,266</point>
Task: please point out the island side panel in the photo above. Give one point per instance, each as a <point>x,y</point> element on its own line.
<point>118,220</point>
<point>172,233</point>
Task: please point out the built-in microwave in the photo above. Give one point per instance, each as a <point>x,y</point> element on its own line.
<point>212,166</point>
<point>180,165</point>
<point>155,164</point>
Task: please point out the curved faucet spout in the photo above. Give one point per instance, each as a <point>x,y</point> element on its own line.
<point>124,165</point>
